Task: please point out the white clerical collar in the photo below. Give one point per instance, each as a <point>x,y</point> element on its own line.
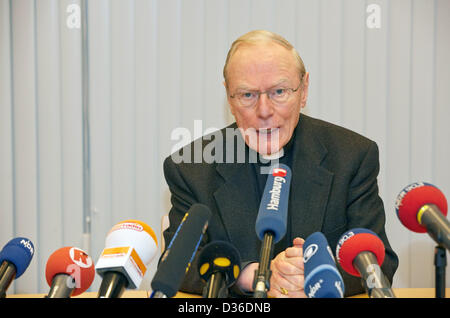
<point>275,155</point>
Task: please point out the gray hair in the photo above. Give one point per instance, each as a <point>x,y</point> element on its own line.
<point>258,36</point>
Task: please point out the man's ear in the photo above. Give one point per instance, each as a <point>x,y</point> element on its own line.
<point>304,92</point>
<point>228,98</point>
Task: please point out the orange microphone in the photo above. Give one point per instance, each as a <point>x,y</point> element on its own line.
<point>69,272</point>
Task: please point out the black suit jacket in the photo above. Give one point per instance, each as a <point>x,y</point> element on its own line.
<point>333,189</point>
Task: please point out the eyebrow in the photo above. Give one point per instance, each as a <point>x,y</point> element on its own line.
<point>245,87</point>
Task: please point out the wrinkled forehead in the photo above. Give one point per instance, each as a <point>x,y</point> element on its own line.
<point>261,64</point>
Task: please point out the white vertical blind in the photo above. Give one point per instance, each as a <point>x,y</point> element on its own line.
<point>398,123</point>
<point>155,65</point>
<point>24,132</point>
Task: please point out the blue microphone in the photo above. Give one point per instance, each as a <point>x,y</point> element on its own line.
<point>271,223</point>
<point>273,209</point>
<point>322,279</point>
<point>15,257</point>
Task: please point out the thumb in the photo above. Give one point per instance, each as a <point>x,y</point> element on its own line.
<point>298,242</point>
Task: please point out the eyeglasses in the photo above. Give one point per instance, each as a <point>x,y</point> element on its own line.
<point>278,96</point>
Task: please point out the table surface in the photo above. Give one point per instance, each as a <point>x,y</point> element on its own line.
<point>399,293</point>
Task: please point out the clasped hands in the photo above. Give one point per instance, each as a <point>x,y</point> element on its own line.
<point>287,272</point>
<point>287,277</point>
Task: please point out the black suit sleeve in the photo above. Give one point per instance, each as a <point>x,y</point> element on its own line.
<point>365,209</point>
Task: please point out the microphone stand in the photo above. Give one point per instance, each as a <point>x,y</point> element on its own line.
<point>158,294</point>
<point>113,285</point>
<point>440,262</point>
<point>377,286</point>
<point>261,283</point>
<point>215,286</point>
<point>8,273</point>
<point>60,286</point>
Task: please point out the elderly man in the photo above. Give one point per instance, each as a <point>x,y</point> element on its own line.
<point>334,171</point>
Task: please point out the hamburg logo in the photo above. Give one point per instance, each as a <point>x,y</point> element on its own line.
<point>279,172</point>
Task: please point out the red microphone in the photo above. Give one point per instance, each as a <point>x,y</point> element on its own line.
<point>422,207</point>
<point>69,272</point>
<point>360,252</point>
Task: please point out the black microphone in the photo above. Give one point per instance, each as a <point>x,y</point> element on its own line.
<point>271,223</point>
<point>15,257</point>
<point>219,265</point>
<point>180,252</point>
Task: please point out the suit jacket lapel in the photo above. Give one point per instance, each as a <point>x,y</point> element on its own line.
<point>311,183</point>
<point>237,201</point>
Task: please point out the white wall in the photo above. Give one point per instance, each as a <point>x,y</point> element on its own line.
<point>156,65</point>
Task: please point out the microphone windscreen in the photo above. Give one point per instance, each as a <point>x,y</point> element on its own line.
<point>74,262</point>
<point>134,233</point>
<point>130,246</point>
<point>273,209</point>
<point>18,251</point>
<point>411,199</point>
<point>322,278</point>
<point>355,241</point>
<point>219,256</point>
<point>177,258</point>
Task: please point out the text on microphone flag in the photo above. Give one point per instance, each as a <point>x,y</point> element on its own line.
<point>279,172</point>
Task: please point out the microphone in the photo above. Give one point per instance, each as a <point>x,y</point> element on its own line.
<point>15,257</point>
<point>322,279</point>
<point>271,223</point>
<point>219,266</point>
<point>422,207</point>
<point>130,246</point>
<point>360,252</point>
<point>69,272</point>
<point>180,252</point>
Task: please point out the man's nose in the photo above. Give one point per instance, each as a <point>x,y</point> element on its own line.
<point>264,106</point>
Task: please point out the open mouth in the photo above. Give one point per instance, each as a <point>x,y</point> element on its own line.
<point>267,131</point>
